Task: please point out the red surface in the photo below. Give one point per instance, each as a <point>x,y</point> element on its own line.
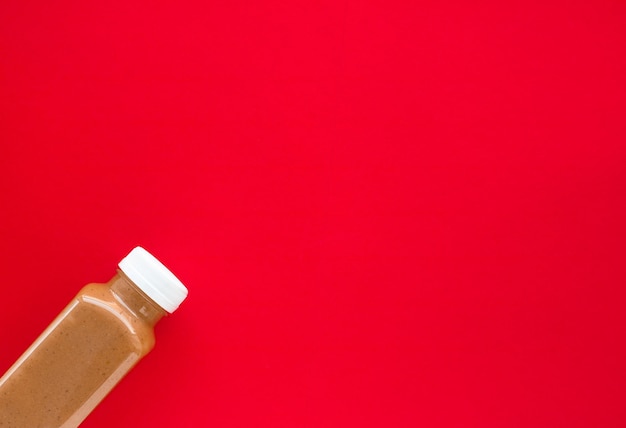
<point>387,214</point>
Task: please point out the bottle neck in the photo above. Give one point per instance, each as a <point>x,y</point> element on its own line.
<point>135,300</point>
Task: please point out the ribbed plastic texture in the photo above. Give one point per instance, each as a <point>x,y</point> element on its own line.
<point>154,279</point>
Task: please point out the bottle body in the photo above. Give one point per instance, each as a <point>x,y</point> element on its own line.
<point>104,331</point>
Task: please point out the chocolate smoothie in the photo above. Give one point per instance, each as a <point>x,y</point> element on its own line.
<point>80,357</point>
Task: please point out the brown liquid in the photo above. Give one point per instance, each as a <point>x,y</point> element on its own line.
<point>80,357</point>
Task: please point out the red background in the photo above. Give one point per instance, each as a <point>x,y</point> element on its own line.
<point>387,214</point>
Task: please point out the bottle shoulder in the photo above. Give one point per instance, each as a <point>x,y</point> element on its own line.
<point>98,300</point>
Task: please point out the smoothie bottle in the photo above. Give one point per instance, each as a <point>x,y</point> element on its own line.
<point>103,332</point>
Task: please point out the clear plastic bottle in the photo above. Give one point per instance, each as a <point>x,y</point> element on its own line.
<point>104,331</point>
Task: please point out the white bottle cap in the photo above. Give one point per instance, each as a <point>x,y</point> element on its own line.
<point>154,279</point>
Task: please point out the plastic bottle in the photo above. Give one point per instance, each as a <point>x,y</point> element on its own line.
<point>104,331</point>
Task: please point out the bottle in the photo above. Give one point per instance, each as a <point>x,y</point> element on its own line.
<point>103,332</point>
